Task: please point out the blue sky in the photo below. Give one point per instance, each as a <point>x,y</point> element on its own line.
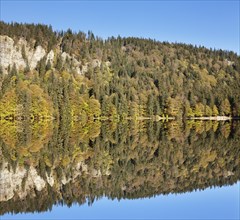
<point>212,24</point>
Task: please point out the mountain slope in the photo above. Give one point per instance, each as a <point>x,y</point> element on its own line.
<point>85,77</point>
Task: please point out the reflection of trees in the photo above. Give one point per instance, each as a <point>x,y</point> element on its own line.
<point>21,143</point>
<point>127,160</point>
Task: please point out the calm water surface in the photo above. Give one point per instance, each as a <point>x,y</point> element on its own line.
<point>170,170</point>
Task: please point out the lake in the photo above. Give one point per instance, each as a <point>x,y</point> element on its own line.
<point>125,170</point>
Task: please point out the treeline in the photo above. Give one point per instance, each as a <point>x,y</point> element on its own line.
<point>117,160</point>
<point>126,77</point>
<point>53,95</point>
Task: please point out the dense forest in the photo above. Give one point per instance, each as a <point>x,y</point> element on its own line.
<point>120,78</point>
<point>64,165</point>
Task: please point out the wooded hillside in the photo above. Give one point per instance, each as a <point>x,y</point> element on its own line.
<point>122,77</point>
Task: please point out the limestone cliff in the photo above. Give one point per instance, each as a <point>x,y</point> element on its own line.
<point>20,53</point>
<point>23,54</point>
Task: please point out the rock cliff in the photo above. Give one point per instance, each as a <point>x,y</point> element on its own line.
<point>23,54</point>
<point>19,53</point>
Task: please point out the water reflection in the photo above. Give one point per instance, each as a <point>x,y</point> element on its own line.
<point>43,163</point>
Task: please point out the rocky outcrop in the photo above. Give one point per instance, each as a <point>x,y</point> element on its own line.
<point>23,54</point>
<point>34,57</point>
<point>19,53</point>
<point>50,57</point>
<point>10,53</point>
<point>76,65</point>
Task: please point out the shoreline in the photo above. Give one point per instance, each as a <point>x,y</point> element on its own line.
<point>142,118</point>
<point>213,118</point>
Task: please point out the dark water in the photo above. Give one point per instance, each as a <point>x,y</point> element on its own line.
<point>120,170</point>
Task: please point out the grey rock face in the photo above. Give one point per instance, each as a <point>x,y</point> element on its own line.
<point>19,53</point>
<point>50,57</point>
<point>23,54</point>
<point>10,54</point>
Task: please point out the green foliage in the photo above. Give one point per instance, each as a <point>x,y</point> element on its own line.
<point>215,111</point>
<point>225,107</point>
<point>8,105</point>
<point>122,77</point>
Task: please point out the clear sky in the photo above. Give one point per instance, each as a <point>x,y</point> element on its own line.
<point>212,24</point>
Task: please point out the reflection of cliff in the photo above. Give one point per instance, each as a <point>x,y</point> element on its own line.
<point>79,164</point>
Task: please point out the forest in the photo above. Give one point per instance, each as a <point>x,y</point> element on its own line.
<point>122,78</point>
